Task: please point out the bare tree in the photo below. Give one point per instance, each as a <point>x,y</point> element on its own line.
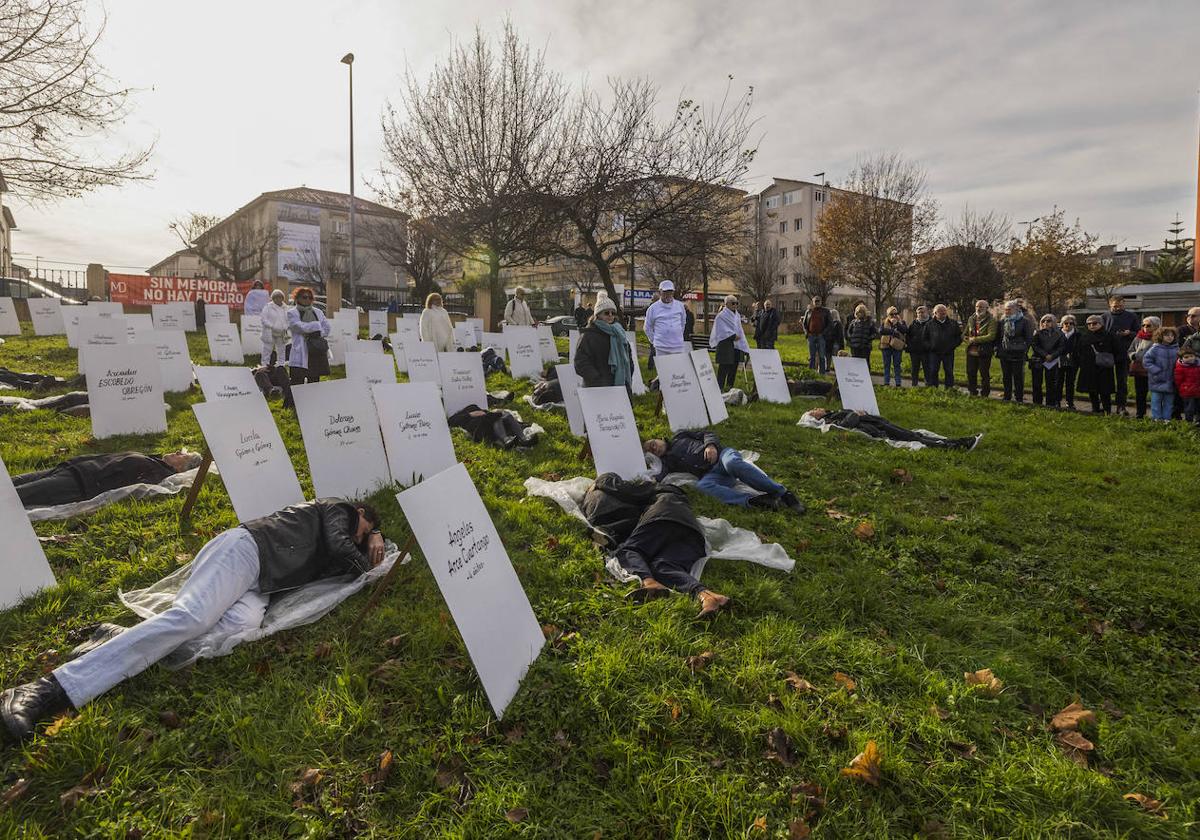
<point>757,273</point>
<point>237,248</point>
<point>990,231</point>
<point>410,245</point>
<point>867,235</point>
<point>54,94</point>
<point>814,283</point>
<point>625,183</point>
<point>473,142</point>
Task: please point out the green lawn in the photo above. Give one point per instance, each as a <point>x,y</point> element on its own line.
<point>1061,554</point>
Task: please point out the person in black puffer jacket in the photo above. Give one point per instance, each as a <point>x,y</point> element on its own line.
<point>860,332</point>
<point>658,537</point>
<point>500,428</point>
<point>230,584</point>
<point>1048,346</point>
<point>1097,380</point>
<point>87,476</point>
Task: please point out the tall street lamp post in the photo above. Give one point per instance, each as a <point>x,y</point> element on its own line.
<point>348,60</point>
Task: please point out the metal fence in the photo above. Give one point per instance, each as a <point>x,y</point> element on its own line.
<point>47,282</point>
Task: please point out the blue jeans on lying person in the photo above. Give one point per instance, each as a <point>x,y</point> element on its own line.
<point>719,482</point>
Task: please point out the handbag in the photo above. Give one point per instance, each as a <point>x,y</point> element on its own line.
<point>316,343</point>
<point>1104,360</point>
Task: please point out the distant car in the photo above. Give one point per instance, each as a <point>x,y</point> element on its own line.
<point>321,303</point>
<point>561,324</point>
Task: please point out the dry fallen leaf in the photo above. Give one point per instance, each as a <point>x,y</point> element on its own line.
<point>700,661</point>
<point>1099,628</point>
<point>379,775</point>
<point>798,683</point>
<point>1071,717</point>
<point>515,735</point>
<point>1151,806</point>
<point>1075,746</point>
<point>59,724</point>
<point>781,748</point>
<point>17,792</point>
<point>551,543</point>
<point>865,531</point>
<point>951,517</point>
<point>984,682</point>
<point>865,766</point>
<point>322,650</point>
<point>516,815</point>
<point>803,545</point>
<point>836,514</point>
<point>395,641</point>
<point>676,710</point>
<point>76,795</point>
<point>798,830</point>
<point>902,476</point>
<point>760,825</point>
<point>845,681</point>
<point>169,719</point>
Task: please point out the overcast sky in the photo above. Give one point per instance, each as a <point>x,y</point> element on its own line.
<point>1013,106</point>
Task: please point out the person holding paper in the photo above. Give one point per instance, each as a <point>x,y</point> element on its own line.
<point>657,536</point>
<point>275,330</point>
<point>435,326</point>
<point>719,469</point>
<point>665,321</point>
<point>1045,358</point>
<point>87,476</point>
<point>877,427</point>
<point>231,581</point>
<point>730,340</point>
<point>309,358</point>
<point>256,299</point>
<point>602,356</point>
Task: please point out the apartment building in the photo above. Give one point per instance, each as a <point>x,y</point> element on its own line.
<point>7,226</point>
<point>310,241</point>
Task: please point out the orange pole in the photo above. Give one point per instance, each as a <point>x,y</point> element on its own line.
<point>1196,241</point>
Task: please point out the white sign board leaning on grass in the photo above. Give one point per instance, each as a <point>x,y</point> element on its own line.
<point>464,336</point>
<point>463,383</point>
<point>377,322</point>
<point>341,436</point>
<point>477,580</point>
<point>570,383</point>
<point>524,352</point>
<point>707,377</point>
<point>546,341</point>
<point>854,384</point>
<point>47,316</point>
<point>415,434</point>
<point>216,313</point>
<point>23,566</point>
<point>681,392</point>
<point>398,350</point>
<point>137,325</point>
<point>612,432</point>
<point>167,316</point>
<point>125,390</point>
<point>255,468</point>
<point>370,368</point>
<point>9,323</point>
<point>92,332</point>
<point>174,361</point>
<point>422,358</point>
<point>221,384</point>
<point>224,343</point>
<point>252,337</point>
<point>769,379</point>
<point>496,341</point>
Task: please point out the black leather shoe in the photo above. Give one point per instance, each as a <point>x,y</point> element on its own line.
<point>789,500</point>
<point>23,707</point>
<point>765,501</point>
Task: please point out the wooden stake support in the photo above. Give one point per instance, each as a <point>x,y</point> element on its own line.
<point>194,491</point>
<point>586,451</point>
<point>384,582</point>
<point>658,406</point>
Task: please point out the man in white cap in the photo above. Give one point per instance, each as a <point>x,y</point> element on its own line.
<point>665,321</point>
<point>516,312</point>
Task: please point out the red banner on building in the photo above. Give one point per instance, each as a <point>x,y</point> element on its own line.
<point>143,290</point>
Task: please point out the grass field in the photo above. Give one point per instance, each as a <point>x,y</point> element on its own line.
<point>1061,554</point>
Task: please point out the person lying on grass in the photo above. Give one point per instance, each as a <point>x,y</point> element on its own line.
<point>87,476</point>
<point>657,537</point>
<point>36,381</point>
<point>231,581</point>
<point>877,427</point>
<point>719,469</point>
<point>74,403</point>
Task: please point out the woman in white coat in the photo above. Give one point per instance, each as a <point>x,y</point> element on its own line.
<point>435,325</point>
<point>309,359</point>
<point>275,332</point>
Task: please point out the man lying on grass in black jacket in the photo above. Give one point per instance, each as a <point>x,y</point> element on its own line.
<point>87,476</point>
<point>230,585</point>
<point>877,427</point>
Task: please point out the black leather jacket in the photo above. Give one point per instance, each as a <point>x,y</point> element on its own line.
<point>618,507</point>
<point>685,452</point>
<point>307,542</point>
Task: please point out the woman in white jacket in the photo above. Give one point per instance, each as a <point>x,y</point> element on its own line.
<point>435,325</point>
<point>275,332</point>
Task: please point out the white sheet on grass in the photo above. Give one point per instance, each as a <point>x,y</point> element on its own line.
<point>170,486</point>
<point>293,608</point>
<point>810,422</point>
<point>722,540</point>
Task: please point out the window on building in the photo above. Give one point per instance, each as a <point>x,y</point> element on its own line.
<point>783,227</point>
<point>819,195</point>
<point>791,197</point>
<point>795,250</point>
<point>341,227</point>
<point>797,224</point>
<point>796,278</point>
<point>782,279</point>
<point>783,253</point>
<point>772,202</point>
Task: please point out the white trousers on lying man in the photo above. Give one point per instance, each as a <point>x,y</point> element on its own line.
<point>221,590</point>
